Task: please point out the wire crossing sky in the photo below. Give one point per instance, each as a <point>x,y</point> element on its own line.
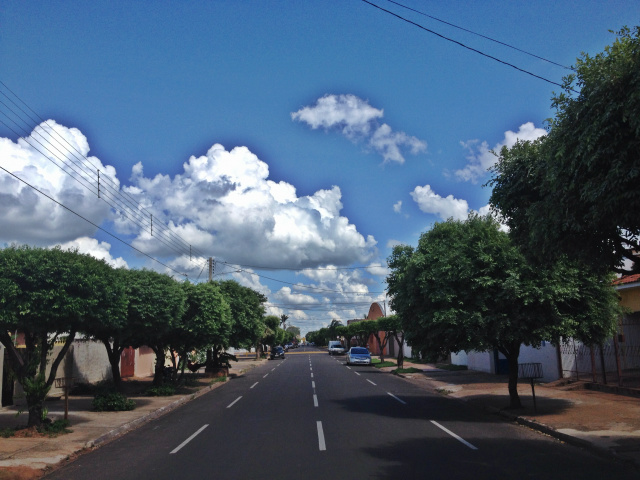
<point>295,142</point>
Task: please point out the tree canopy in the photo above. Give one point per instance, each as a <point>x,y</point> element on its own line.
<point>49,296</point>
<point>467,287</point>
<point>575,191</point>
<point>247,312</point>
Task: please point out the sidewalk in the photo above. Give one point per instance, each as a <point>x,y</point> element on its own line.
<point>604,423</point>
<point>23,458</point>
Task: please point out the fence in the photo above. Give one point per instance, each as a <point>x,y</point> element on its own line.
<point>617,361</point>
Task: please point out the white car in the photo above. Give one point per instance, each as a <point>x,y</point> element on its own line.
<point>336,348</point>
<point>358,356</point>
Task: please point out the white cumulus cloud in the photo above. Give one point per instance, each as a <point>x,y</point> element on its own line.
<point>224,203</point>
<point>481,157</point>
<point>358,121</point>
<point>96,249</point>
<point>28,216</point>
<point>445,207</point>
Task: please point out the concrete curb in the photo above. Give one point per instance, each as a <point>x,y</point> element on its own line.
<point>545,429</point>
<point>127,427</point>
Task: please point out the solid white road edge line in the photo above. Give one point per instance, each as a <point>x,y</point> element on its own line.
<point>401,401</point>
<point>232,403</point>
<point>177,449</point>
<point>460,439</point>
<point>321,445</point>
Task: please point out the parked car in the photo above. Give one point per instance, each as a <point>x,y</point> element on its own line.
<point>277,352</point>
<point>358,356</point>
<point>336,348</point>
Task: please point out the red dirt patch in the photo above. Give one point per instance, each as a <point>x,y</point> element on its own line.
<point>19,473</point>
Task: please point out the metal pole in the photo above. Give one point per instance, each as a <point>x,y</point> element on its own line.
<point>533,393</point>
<point>593,364</point>
<point>604,368</point>
<point>617,352</point>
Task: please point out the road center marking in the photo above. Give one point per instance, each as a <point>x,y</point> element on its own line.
<point>315,400</point>
<point>357,373</point>
<point>312,375</point>
<point>232,403</point>
<point>370,382</point>
<point>253,385</point>
<point>460,439</point>
<point>321,445</point>
<point>177,449</point>
<point>313,384</point>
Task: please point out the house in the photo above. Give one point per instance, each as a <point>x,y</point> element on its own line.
<point>86,362</point>
<point>616,361</point>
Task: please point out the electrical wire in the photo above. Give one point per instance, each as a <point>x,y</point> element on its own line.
<point>90,222</point>
<point>465,46</point>
<point>81,170</point>
<point>480,35</point>
<point>300,269</point>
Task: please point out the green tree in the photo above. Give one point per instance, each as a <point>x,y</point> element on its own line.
<point>293,330</point>
<point>575,192</point>
<point>49,296</point>
<point>156,305</point>
<point>467,287</point>
<point>113,330</point>
<point>271,336</point>
<point>392,327</point>
<point>386,326</point>
<point>206,322</point>
<point>247,312</point>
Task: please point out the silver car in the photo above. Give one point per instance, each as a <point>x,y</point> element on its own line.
<point>358,356</point>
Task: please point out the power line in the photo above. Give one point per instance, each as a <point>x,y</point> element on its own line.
<point>78,167</point>
<point>300,269</point>
<point>465,46</point>
<point>89,221</point>
<point>480,35</point>
<point>299,285</point>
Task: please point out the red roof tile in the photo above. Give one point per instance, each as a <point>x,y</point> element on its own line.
<point>627,279</point>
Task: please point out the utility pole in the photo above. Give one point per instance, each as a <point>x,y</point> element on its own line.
<point>212,267</point>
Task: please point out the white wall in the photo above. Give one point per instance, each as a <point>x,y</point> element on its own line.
<point>459,358</point>
<point>547,355</point>
<point>480,361</point>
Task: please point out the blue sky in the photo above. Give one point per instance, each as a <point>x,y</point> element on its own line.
<point>290,135</point>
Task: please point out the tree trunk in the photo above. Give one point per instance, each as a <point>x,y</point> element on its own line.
<point>158,376</point>
<point>400,339</point>
<point>512,359</point>
<point>113,354</point>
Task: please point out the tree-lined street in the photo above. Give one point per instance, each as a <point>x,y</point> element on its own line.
<point>310,416</point>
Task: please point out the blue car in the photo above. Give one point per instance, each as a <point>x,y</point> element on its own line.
<point>358,356</point>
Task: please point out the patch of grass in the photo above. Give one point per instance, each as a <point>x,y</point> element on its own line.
<point>218,380</point>
<point>112,402</point>
<point>406,370</point>
<point>449,366</point>
<point>7,432</point>
<point>161,391</point>
<point>444,391</point>
<point>55,428</point>
<point>378,364</point>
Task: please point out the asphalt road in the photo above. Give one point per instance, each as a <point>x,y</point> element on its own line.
<point>310,416</point>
